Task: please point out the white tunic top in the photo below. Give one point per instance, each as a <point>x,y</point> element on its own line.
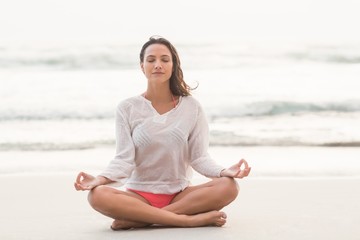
<point>156,153</point>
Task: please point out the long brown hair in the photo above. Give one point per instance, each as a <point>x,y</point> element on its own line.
<point>178,86</point>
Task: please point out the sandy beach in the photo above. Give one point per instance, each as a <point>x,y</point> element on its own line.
<point>47,207</point>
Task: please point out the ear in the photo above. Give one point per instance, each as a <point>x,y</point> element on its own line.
<point>142,67</point>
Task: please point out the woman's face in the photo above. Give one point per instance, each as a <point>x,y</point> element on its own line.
<point>157,65</point>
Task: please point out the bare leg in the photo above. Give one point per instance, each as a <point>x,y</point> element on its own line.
<point>123,224</point>
<point>119,205</point>
<point>210,196</point>
<point>213,195</point>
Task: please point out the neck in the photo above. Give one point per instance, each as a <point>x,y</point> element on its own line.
<point>158,94</point>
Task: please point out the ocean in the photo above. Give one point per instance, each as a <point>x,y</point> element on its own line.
<point>59,97</point>
<point>288,108</point>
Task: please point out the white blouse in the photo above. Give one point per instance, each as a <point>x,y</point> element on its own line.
<point>156,152</point>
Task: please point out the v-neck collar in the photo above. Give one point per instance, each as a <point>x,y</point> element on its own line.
<point>156,112</point>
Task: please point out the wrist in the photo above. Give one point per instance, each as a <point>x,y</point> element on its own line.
<point>101,180</point>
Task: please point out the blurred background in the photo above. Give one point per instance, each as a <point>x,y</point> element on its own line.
<point>270,73</point>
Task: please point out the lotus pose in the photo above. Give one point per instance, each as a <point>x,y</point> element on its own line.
<point>161,135</point>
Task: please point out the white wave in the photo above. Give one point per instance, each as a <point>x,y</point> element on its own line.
<point>116,56</point>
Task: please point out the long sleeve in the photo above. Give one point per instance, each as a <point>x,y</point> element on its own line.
<point>157,152</point>
<point>122,165</point>
<point>200,160</point>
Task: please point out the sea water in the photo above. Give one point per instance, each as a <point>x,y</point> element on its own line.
<point>57,100</point>
<point>62,97</point>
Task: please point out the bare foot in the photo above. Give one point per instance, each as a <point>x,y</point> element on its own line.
<point>126,224</point>
<point>213,218</point>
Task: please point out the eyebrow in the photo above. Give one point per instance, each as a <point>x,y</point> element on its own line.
<point>155,56</point>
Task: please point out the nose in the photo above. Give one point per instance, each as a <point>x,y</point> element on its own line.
<point>158,65</point>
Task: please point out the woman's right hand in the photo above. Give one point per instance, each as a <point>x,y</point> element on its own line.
<point>86,181</point>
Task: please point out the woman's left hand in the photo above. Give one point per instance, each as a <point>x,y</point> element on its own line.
<point>235,171</point>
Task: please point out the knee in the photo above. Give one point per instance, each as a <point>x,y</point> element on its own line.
<point>228,189</point>
<point>97,195</point>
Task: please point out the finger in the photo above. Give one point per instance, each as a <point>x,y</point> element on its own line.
<point>246,163</point>
<point>236,173</point>
<point>88,187</point>
<point>246,172</point>
<point>82,188</point>
<point>240,163</point>
<point>241,174</point>
<point>78,178</point>
<point>230,173</point>
<point>78,186</point>
<point>249,171</point>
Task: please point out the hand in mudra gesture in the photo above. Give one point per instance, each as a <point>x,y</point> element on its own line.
<point>86,181</point>
<point>236,170</point>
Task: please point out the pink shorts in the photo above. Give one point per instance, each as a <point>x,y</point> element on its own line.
<point>156,200</point>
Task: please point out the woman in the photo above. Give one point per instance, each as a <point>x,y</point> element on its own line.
<point>160,136</point>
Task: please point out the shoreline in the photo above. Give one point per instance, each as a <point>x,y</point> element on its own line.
<point>266,162</point>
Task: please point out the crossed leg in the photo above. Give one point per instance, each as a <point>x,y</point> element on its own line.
<point>195,206</point>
